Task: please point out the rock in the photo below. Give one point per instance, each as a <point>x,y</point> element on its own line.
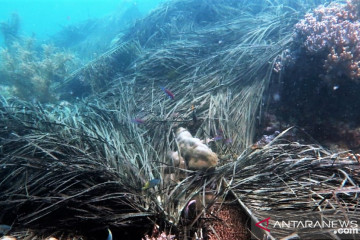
<point>196,154</point>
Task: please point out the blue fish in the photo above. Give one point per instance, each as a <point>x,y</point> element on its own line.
<point>150,184</point>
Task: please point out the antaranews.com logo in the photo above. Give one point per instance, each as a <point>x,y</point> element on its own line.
<point>338,227</point>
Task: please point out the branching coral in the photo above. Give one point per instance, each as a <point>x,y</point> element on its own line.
<point>31,73</point>
<point>334,31</point>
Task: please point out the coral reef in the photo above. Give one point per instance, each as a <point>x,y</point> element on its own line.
<point>333,32</point>
<point>196,154</point>
<point>318,80</point>
<point>31,73</point>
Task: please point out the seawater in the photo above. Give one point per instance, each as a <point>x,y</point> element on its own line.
<point>43,18</point>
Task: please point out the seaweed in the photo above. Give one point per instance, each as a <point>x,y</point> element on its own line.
<point>30,72</point>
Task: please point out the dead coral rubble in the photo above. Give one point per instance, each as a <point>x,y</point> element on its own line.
<point>232,223</point>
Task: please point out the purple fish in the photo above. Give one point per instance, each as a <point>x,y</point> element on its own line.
<point>168,92</point>
<point>218,137</point>
<point>138,121</point>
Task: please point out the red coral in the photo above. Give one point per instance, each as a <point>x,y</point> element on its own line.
<point>335,32</point>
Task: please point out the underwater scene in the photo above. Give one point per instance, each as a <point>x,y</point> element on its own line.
<point>179,119</point>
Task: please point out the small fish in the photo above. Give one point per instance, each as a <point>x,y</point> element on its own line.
<point>138,121</point>
<point>187,208</point>
<point>168,92</point>
<point>150,184</point>
<point>217,138</point>
<point>4,229</point>
<point>109,235</point>
<point>228,141</point>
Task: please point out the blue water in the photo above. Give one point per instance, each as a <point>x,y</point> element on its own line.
<point>43,18</point>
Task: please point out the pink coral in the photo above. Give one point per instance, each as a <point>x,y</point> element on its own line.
<point>162,236</point>
<point>334,31</point>
<point>157,235</point>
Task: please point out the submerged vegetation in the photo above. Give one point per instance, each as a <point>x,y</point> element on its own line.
<point>102,162</point>
<point>30,73</point>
